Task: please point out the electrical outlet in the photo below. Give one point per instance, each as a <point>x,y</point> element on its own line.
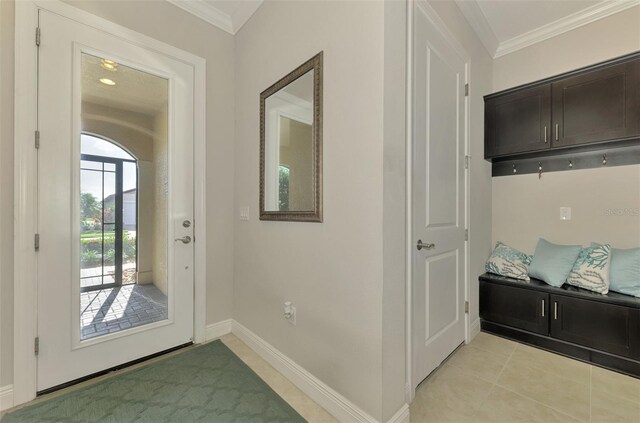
<point>292,319</point>
<point>290,312</point>
<point>565,213</point>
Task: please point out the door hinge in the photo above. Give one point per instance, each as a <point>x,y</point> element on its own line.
<point>466,90</point>
<point>467,161</point>
<point>36,242</point>
<point>36,345</point>
<point>37,137</point>
<point>466,234</point>
<point>38,36</point>
<point>466,307</point>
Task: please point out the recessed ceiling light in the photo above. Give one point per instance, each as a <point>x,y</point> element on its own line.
<point>107,81</point>
<point>109,65</point>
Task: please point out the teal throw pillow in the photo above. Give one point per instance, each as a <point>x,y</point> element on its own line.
<point>625,271</point>
<point>552,263</point>
<point>591,269</point>
<point>507,261</point>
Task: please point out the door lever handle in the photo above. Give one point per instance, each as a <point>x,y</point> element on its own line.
<point>185,239</point>
<point>421,245</point>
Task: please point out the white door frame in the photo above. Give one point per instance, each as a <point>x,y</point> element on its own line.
<point>25,196</point>
<point>441,27</point>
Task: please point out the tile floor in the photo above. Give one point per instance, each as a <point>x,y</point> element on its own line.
<point>490,380</point>
<point>495,380</point>
<point>111,310</point>
<point>297,399</point>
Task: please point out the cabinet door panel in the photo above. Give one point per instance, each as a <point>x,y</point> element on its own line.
<point>602,326</point>
<point>519,122</point>
<point>597,106</point>
<point>520,308</point>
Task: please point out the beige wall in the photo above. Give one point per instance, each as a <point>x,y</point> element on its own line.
<point>605,207</point>
<point>332,271</point>
<point>525,207</point>
<point>188,33</point>
<point>132,130</point>
<point>6,191</point>
<point>393,213</point>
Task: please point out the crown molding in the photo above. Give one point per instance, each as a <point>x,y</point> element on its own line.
<point>211,14</point>
<point>480,25</point>
<point>568,23</point>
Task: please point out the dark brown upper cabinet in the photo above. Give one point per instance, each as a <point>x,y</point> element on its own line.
<point>518,122</point>
<point>599,104</point>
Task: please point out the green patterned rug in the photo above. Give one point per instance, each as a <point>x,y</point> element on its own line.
<point>204,384</point>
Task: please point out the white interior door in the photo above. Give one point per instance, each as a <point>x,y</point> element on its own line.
<point>115,189</point>
<point>438,198</point>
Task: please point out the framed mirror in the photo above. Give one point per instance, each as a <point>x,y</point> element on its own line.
<point>291,146</point>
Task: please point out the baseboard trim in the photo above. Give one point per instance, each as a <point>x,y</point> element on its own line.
<point>474,329</point>
<point>401,416</point>
<point>6,397</point>
<point>336,404</point>
<point>216,330</point>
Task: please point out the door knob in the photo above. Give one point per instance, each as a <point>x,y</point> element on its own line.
<point>185,239</point>
<point>421,245</point>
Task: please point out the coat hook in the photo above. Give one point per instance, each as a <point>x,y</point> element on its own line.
<point>515,169</point>
<point>570,164</point>
<point>539,170</point>
<point>604,160</point>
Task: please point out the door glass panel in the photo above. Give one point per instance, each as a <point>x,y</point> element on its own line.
<point>123,198</point>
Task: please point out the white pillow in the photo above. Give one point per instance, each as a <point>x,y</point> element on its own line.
<point>507,261</point>
<point>591,269</point>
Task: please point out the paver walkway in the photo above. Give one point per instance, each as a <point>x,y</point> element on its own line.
<point>111,310</point>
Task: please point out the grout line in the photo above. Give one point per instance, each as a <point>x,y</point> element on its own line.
<point>542,403</point>
<point>501,371</point>
<point>539,403</point>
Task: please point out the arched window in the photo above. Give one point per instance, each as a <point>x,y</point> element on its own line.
<point>108,214</point>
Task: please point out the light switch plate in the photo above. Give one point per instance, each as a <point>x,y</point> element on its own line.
<point>244,213</point>
<point>565,213</point>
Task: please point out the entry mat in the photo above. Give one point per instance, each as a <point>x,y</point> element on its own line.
<point>203,384</point>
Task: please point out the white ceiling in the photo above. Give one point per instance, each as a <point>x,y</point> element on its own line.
<point>228,15</point>
<point>505,26</point>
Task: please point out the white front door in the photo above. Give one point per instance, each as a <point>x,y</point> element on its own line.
<point>438,198</point>
<point>115,201</point>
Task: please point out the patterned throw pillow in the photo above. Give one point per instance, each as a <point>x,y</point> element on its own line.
<point>591,269</point>
<point>507,261</point>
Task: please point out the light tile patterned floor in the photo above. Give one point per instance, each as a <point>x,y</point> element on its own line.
<point>111,310</point>
<point>297,399</point>
<point>495,380</point>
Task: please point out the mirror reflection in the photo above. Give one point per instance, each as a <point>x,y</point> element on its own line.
<point>290,146</point>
